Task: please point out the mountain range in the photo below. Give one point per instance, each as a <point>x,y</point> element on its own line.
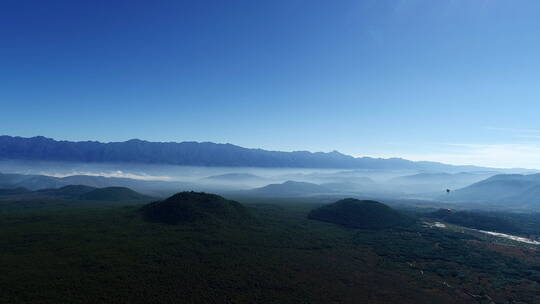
<point>198,154</point>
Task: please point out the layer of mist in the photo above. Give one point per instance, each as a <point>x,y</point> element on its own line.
<point>158,179</point>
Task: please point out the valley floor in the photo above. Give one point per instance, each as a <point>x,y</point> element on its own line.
<point>108,254</point>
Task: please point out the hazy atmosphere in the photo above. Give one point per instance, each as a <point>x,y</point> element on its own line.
<point>355,151</point>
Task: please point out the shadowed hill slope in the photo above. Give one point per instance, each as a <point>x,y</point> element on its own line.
<point>195,206</point>
<point>364,214</point>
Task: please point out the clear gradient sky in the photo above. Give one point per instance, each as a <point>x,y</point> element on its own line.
<point>456,81</point>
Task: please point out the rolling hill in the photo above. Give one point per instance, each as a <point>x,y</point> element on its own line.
<point>186,207</point>
<point>363,214</point>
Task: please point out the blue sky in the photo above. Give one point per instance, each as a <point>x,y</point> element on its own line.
<point>455,81</point>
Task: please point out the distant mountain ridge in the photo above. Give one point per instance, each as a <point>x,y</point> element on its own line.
<point>197,154</point>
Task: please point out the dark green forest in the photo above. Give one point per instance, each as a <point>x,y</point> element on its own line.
<point>106,252</point>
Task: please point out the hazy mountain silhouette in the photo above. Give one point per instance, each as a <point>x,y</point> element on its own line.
<point>352,187</point>
<point>429,177</point>
<point>38,182</point>
<point>436,181</point>
<point>196,154</point>
<point>113,194</point>
<point>290,188</point>
<point>503,188</point>
<point>31,182</point>
<point>76,192</point>
<point>235,177</point>
<point>71,191</point>
<point>14,191</point>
